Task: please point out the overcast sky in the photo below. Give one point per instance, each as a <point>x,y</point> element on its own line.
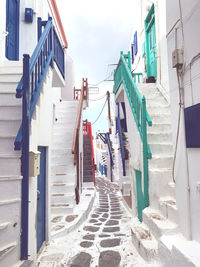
<point>96,32</point>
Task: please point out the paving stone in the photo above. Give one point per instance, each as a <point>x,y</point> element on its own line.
<point>94,216</point>
<point>91,228</point>
<point>119,235</point>
<point>81,260</point>
<point>86,244</point>
<point>108,243</point>
<point>71,218</point>
<point>112,222</point>
<point>109,258</point>
<point>105,215</point>
<point>102,219</point>
<point>103,236</point>
<point>98,224</point>
<point>57,219</point>
<point>115,209</point>
<point>111,229</point>
<point>102,210</point>
<point>93,221</point>
<point>89,237</point>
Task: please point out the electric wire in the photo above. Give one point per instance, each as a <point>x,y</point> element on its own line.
<point>97,99</point>
<point>100,112</point>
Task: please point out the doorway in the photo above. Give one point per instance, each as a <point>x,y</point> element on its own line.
<point>150,40</point>
<point>41,199</point>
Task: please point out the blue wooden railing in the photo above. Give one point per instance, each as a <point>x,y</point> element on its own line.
<point>47,51</point>
<point>119,130</point>
<point>122,75</point>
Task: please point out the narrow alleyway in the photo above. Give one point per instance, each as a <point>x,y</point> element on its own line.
<point>104,240</point>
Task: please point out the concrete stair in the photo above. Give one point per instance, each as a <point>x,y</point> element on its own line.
<point>87,160</point>
<point>63,171</point>
<point>161,217</point>
<point>10,164</point>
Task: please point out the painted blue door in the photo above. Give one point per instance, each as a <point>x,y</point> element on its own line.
<point>12,27</point>
<point>41,198</point>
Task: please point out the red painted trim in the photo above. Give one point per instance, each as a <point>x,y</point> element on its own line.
<point>57,18</point>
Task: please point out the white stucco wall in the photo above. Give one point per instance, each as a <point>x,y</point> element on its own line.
<point>67,91</point>
<point>187,163</point>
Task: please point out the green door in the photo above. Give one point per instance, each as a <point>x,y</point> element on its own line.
<point>150,39</point>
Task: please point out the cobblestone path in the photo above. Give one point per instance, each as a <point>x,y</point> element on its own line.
<point>104,240</point>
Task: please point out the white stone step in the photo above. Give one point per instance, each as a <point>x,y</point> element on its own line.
<point>158,162</point>
<point>62,209</point>
<point>160,138</point>
<point>159,127</point>
<point>177,251</point>
<point>10,210</point>
<point>159,182</point>
<point>62,152</point>
<point>161,149</point>
<point>62,188</point>
<point>7,145</point>
<point>10,67</point>
<point>12,78</point>
<point>157,223</point>
<point>59,145</point>
<point>168,208</point>
<point>57,198</point>
<point>8,87</point>
<point>161,118</point>
<point>60,128</point>
<point>10,112</point>
<point>9,127</point>
<point>57,159</point>
<point>10,165</point>
<point>144,242</point>
<point>10,188</point>
<point>153,110</point>
<point>63,169</point>
<point>9,99</point>
<point>5,250</point>
<point>171,189</point>
<point>66,178</point>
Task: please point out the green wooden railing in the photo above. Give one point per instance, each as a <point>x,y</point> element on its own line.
<point>137,77</point>
<point>122,75</point>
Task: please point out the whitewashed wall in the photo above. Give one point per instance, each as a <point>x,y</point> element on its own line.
<point>187,164</point>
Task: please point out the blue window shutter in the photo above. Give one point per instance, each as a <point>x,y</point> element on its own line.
<point>135,44</point>
<point>132,53</point>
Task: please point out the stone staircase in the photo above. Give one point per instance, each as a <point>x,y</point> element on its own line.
<point>10,164</point>
<point>63,170</point>
<point>87,160</point>
<point>161,217</point>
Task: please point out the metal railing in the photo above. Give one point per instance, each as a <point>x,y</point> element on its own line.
<point>119,130</point>
<point>137,103</point>
<point>75,145</point>
<point>137,77</point>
